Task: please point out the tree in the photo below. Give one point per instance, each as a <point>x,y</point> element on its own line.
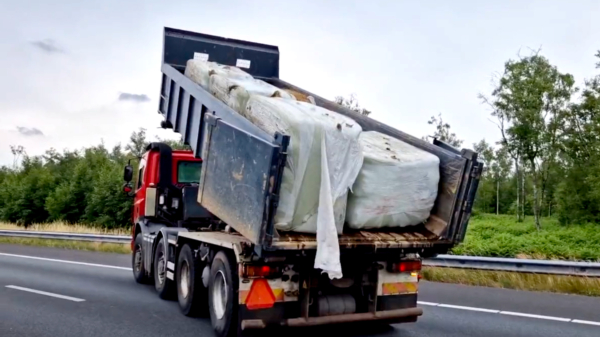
<point>106,204</point>
<point>442,131</point>
<point>497,169</point>
<point>18,152</point>
<point>83,186</point>
<point>485,191</point>
<point>501,169</point>
<point>137,144</point>
<point>175,144</point>
<point>578,192</point>
<point>69,200</point>
<point>352,104</point>
<point>530,102</point>
<point>23,193</point>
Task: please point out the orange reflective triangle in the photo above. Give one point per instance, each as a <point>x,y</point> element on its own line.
<point>260,296</point>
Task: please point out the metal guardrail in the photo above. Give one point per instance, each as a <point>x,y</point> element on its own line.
<point>589,269</point>
<point>554,267</point>
<point>67,236</point>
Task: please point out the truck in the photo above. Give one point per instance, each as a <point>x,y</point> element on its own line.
<point>203,230</point>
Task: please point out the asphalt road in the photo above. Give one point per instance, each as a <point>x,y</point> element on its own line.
<point>97,296</point>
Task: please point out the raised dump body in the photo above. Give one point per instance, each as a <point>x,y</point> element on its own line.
<point>243,165</point>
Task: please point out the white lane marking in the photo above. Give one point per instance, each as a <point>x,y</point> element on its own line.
<point>468,308</point>
<point>69,298</point>
<point>585,322</point>
<point>170,275</point>
<point>508,313</point>
<point>428,303</point>
<point>65,261</point>
<point>551,318</point>
<point>171,265</point>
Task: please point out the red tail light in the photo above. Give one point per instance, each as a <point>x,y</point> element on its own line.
<point>406,266</point>
<point>254,271</point>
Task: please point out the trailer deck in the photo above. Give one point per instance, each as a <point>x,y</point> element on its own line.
<point>411,237</point>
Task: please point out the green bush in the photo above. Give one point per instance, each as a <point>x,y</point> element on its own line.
<point>503,236</point>
<point>82,187</point>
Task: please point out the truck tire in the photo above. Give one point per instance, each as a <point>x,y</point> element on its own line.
<point>164,287</point>
<point>223,295</point>
<point>191,292</point>
<point>137,260</point>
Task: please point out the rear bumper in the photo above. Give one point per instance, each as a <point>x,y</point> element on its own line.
<point>399,315</point>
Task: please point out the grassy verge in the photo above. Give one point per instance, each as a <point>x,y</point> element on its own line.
<point>503,236</point>
<point>121,248</point>
<point>66,227</point>
<point>521,281</point>
<point>68,244</point>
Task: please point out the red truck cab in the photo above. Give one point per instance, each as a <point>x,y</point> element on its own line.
<point>185,172</point>
<point>166,188</point>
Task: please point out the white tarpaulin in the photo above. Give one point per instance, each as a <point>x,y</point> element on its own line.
<point>200,71</point>
<point>396,187</point>
<point>324,158</point>
<point>235,92</point>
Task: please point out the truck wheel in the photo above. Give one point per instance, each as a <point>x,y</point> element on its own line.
<point>137,260</point>
<point>163,286</point>
<point>222,295</point>
<point>191,292</point>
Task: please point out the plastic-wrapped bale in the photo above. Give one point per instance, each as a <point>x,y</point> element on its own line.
<point>323,161</point>
<point>235,92</point>
<point>396,187</point>
<point>200,71</point>
<point>300,96</point>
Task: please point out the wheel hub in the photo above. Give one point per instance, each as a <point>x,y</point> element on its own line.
<point>161,268</point>
<point>138,259</point>
<point>219,294</point>
<point>185,279</point>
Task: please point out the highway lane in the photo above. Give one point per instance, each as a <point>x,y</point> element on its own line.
<point>114,305</point>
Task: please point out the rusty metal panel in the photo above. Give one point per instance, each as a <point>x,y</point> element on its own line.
<point>239,178</point>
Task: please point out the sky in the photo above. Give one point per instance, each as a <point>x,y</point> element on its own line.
<point>77,73</point>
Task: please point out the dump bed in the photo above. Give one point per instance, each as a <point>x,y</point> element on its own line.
<point>243,165</point>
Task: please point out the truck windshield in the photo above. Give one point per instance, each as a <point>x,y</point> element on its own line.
<point>188,172</point>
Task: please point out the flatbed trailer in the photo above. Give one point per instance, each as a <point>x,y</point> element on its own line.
<point>245,272</point>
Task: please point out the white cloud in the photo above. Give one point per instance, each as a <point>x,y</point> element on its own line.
<point>48,45</point>
<point>138,98</point>
<point>29,132</point>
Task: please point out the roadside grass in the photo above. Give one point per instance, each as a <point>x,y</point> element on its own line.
<point>120,248</point>
<point>68,244</point>
<point>587,286</point>
<point>66,227</point>
<point>502,236</point>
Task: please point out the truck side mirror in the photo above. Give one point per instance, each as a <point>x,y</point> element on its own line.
<point>128,173</point>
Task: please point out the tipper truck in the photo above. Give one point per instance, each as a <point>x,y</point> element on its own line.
<point>203,230</point>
